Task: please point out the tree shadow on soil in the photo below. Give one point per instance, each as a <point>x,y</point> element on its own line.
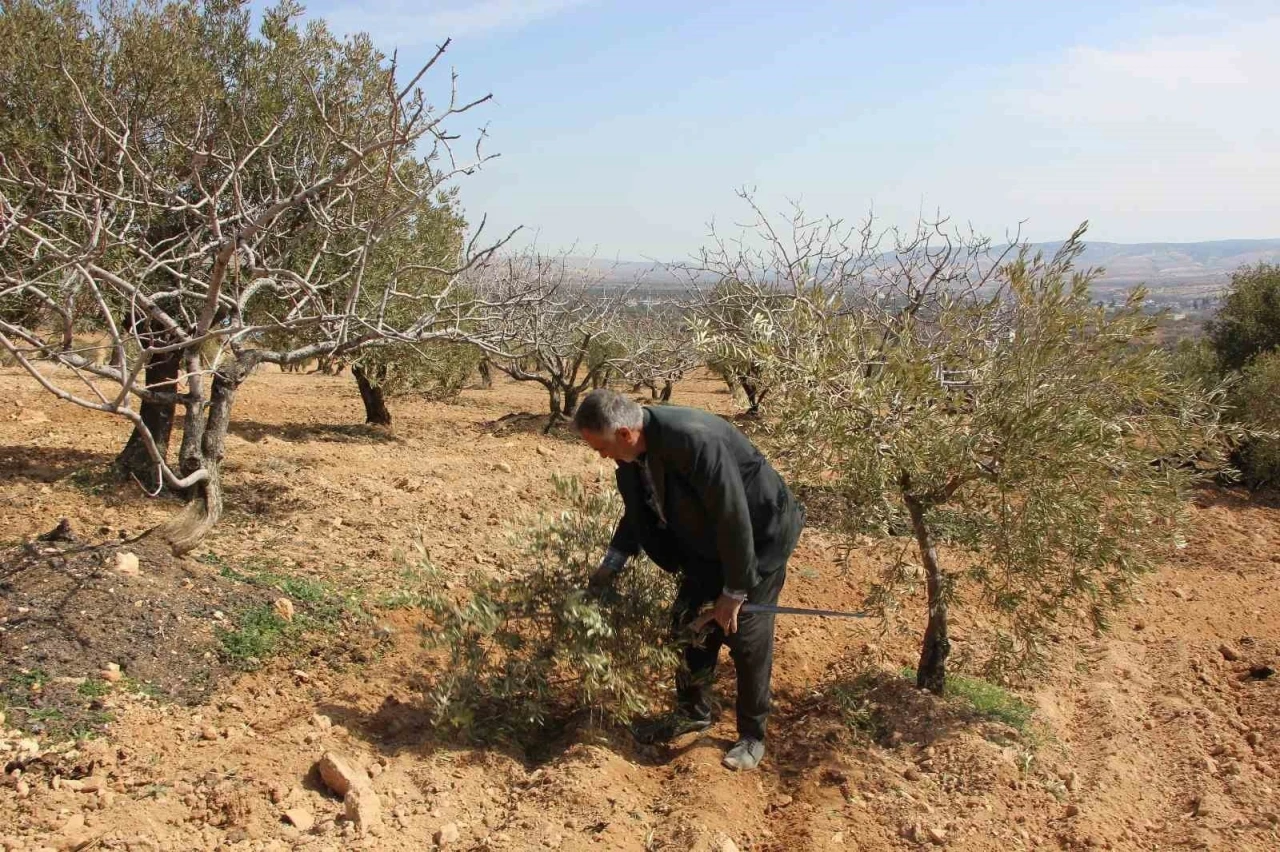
<point>262,499</point>
<point>1236,498</point>
<point>345,433</point>
<point>400,725</point>
<point>529,423</point>
<point>807,731</point>
<point>46,464</point>
<point>873,707</point>
<point>68,611</point>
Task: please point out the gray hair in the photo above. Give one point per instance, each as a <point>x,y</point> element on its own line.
<point>604,411</point>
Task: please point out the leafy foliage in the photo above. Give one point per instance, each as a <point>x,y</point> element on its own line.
<point>435,370</point>
<point>1256,403</point>
<point>532,648</point>
<point>1248,323</point>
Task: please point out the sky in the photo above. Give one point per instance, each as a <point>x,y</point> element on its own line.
<point>625,128</point>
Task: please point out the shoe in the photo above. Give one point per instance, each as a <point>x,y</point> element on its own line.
<point>745,755</point>
<point>666,728</point>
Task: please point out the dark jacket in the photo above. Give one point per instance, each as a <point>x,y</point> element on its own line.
<point>715,511</point>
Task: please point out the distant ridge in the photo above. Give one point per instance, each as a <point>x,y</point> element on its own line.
<point>1169,270</point>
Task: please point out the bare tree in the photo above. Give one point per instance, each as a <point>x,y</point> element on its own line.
<point>559,325</point>
<point>187,238</point>
<point>659,350</point>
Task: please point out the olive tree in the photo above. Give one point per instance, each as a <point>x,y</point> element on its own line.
<point>202,189</point>
<point>1248,322</point>
<point>978,398</point>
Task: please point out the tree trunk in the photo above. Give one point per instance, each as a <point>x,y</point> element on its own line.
<point>134,460</point>
<point>557,394</point>
<point>375,405</point>
<point>204,446</point>
<point>486,374</point>
<point>667,387</point>
<point>931,674</point>
<point>751,389</point>
<point>571,401</point>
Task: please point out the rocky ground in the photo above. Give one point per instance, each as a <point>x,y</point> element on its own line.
<point>147,706</point>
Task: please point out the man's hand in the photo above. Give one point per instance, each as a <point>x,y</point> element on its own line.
<point>724,613</point>
<point>601,579</point>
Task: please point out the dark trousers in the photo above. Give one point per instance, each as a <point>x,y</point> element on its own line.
<point>751,648</point>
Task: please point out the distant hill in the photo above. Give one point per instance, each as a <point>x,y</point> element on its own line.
<point>1182,269</point>
<point>1169,270</point>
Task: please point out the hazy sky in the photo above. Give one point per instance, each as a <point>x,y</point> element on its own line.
<point>627,126</point>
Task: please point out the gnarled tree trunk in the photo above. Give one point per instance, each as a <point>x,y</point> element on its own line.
<point>204,446</point>
<point>754,394</point>
<point>571,395</point>
<point>375,405</point>
<point>134,460</point>
<point>931,674</point>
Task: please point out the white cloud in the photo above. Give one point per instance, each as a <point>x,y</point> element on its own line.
<point>406,23</point>
<point>1223,71</point>
<point>1171,135</point>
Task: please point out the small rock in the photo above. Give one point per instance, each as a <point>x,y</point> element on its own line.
<point>322,721</point>
<point>1072,781</point>
<point>837,838</point>
<point>782,800</point>
<point>302,818</point>
<point>23,789</point>
<point>338,775</point>
<point>911,774</point>
<point>1253,738</point>
<point>1073,811</point>
<point>375,769</point>
<point>725,844</point>
<point>446,834</point>
<point>93,784</point>
<point>208,732</point>
<point>503,467</point>
<point>363,807</point>
<point>111,673</point>
<point>543,451</point>
<point>73,833</point>
<point>937,836</point>
<point>284,608</point>
<point>1228,653</point>
<point>127,564</point>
